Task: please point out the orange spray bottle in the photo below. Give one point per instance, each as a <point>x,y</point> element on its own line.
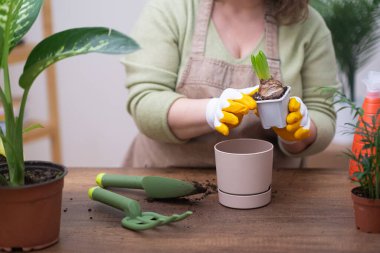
<point>371,105</point>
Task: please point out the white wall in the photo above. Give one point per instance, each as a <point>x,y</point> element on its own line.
<point>96,130</point>
<point>95,127</point>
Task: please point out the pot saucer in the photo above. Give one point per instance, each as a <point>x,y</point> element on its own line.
<point>245,201</point>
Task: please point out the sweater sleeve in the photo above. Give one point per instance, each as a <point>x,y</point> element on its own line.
<point>152,71</point>
<point>319,70</point>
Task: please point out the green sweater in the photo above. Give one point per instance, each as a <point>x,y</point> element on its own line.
<point>164,32</point>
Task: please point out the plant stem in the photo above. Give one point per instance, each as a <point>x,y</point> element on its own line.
<point>16,172</point>
<point>19,126</point>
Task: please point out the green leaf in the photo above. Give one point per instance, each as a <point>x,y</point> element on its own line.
<point>32,127</point>
<point>1,42</point>
<point>260,66</point>
<point>359,175</point>
<point>377,141</point>
<point>351,155</point>
<point>24,19</point>
<point>23,14</point>
<point>74,42</point>
<point>367,162</point>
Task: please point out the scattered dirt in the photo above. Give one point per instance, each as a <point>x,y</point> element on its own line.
<point>209,187</point>
<point>203,190</point>
<point>199,187</point>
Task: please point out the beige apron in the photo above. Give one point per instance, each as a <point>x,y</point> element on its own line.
<point>205,78</point>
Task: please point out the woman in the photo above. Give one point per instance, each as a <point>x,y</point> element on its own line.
<point>193,50</point>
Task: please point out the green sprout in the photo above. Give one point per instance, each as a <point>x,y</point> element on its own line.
<point>260,66</point>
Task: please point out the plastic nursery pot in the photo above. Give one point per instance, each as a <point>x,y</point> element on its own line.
<point>31,214</point>
<point>367,212</point>
<point>273,112</point>
<point>244,172</point>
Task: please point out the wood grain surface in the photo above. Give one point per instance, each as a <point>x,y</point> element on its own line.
<point>311,211</point>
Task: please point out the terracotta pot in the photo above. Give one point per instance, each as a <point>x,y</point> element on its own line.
<point>367,213</point>
<point>30,215</point>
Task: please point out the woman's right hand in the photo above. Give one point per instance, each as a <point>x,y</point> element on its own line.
<point>228,110</point>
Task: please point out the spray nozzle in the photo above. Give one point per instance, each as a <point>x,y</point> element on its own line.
<point>373,82</point>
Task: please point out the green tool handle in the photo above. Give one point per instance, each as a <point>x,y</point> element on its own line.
<point>129,206</point>
<point>121,181</point>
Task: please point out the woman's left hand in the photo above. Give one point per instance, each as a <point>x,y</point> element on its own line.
<point>298,122</point>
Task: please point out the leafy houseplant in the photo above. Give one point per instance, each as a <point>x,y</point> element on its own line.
<point>16,18</point>
<point>354,26</point>
<point>366,197</point>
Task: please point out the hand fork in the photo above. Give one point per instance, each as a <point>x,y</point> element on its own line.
<point>135,219</point>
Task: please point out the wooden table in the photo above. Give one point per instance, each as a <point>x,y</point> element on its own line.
<point>311,211</point>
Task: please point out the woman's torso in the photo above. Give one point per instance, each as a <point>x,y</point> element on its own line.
<point>204,74</point>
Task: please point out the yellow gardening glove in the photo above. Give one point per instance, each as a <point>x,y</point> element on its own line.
<point>298,122</point>
<point>228,110</point>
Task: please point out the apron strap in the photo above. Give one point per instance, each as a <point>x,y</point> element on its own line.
<point>271,43</point>
<point>271,38</point>
<point>201,27</point>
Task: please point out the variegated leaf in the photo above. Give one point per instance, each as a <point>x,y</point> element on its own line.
<point>74,42</point>
<point>4,12</point>
<point>25,18</point>
<point>22,13</point>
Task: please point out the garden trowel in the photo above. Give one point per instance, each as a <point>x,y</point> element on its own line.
<point>155,187</point>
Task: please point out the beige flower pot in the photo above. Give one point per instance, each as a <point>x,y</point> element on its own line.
<point>244,172</point>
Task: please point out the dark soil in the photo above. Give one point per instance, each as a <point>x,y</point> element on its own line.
<point>360,192</point>
<point>258,97</point>
<point>35,175</point>
<point>202,191</point>
<point>3,159</point>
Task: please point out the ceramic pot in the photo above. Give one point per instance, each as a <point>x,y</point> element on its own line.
<point>273,112</point>
<point>31,214</point>
<point>244,172</point>
<point>367,213</point>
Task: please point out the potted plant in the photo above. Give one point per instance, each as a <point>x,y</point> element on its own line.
<point>272,97</point>
<point>366,196</point>
<point>31,191</point>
